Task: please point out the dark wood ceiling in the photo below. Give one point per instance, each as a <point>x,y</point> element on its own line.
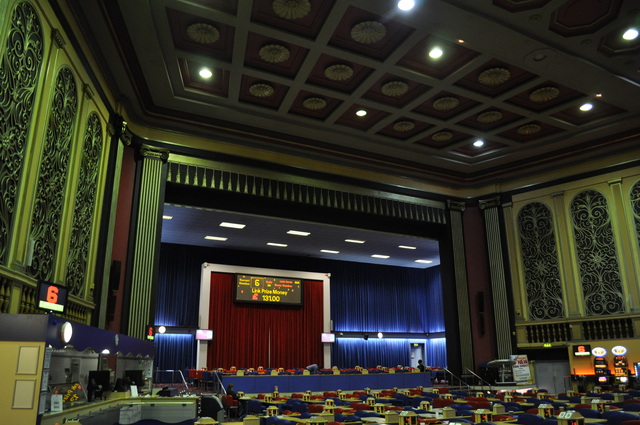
<point>289,75</point>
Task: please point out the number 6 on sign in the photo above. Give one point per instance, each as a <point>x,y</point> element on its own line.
<point>52,295</point>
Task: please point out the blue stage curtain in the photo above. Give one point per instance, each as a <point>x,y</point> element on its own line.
<point>178,294</point>
<point>390,300</point>
<point>387,352</point>
<point>366,298</point>
<point>436,355</point>
<point>175,351</point>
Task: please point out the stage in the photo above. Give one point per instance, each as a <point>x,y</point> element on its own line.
<point>347,382</point>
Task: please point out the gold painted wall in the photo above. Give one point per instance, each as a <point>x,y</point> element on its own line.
<point>574,256</point>
<point>54,149</point>
<point>20,381</point>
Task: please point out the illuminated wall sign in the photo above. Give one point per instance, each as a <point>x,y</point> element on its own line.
<point>582,350</point>
<point>619,350</point>
<point>599,351</point>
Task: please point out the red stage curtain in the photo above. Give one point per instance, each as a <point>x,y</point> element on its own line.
<point>252,335</point>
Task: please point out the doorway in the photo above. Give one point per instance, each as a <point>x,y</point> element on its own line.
<point>416,353</point>
<point>550,375</point>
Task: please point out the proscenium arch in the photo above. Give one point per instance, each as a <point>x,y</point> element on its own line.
<point>278,194</point>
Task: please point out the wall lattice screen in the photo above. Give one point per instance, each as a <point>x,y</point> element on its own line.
<point>596,254</point>
<point>540,262</point>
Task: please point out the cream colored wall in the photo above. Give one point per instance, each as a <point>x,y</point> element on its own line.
<point>616,188</point>
<point>20,381</point>
<point>16,286</point>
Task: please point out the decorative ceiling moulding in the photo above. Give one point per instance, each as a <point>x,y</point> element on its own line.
<point>261,90</point>
<point>291,9</point>
<point>529,129</point>
<point>446,103</point>
<point>581,17</point>
<point>489,117</point>
<point>338,72</point>
<point>404,126</point>
<point>314,103</point>
<point>442,136</point>
<point>544,94</point>
<point>274,53</point>
<point>494,76</point>
<point>203,33</point>
<point>368,32</point>
<point>342,197</point>
<point>395,88</point>
<point>520,5</point>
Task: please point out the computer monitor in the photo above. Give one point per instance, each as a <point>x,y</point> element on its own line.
<point>135,377</point>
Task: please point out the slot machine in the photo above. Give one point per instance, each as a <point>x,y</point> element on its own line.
<point>600,366</point>
<point>620,366</point>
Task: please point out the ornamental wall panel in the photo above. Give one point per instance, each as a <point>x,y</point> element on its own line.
<point>20,67</point>
<point>540,262</point>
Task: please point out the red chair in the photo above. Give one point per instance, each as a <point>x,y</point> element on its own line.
<point>230,406</point>
<point>315,408</point>
<point>442,402</point>
<point>582,406</point>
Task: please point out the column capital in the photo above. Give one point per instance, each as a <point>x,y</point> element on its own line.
<point>151,152</point>
<point>489,203</point>
<point>456,205</point>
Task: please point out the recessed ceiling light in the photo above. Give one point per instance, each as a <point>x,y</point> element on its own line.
<point>630,34</point>
<point>205,73</point>
<point>406,247</point>
<point>298,233</point>
<point>167,217</point>
<point>215,238</point>
<point>361,113</point>
<point>406,4</point>
<point>282,245</point>
<point>461,41</point>
<point>353,241</point>
<point>233,225</point>
<point>598,94</point>
<point>435,53</point>
<point>586,107</point>
<point>329,251</point>
<point>424,261</point>
<point>478,143</point>
<point>379,256</point>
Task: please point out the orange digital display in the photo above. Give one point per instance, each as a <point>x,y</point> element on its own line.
<point>268,290</point>
<point>52,297</point>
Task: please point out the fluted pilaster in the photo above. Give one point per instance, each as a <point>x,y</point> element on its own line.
<point>462,289</point>
<point>147,235</point>
<point>498,280</point>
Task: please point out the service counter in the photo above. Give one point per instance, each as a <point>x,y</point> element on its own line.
<point>347,382</point>
<point>128,410</point>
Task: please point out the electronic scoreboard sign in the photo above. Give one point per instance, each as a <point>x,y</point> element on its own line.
<point>268,290</point>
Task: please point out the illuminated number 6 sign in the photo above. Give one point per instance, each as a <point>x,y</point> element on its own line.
<point>52,295</point>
